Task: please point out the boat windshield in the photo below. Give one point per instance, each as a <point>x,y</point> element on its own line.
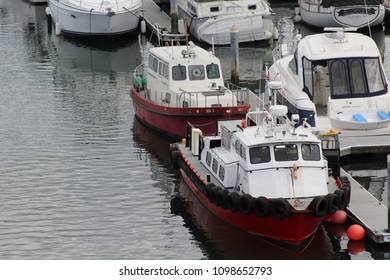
<point>196,72</point>
<point>343,78</point>
<point>285,152</point>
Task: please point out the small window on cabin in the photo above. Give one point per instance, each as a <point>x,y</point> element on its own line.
<point>215,143</point>
<point>311,152</point>
<point>214,9</point>
<point>286,152</point>
<point>150,62</point>
<point>215,165</point>
<point>259,154</point>
<point>160,68</point>
<point>237,146</point>
<point>243,152</point>
<point>168,97</point>
<point>221,173</point>
<point>251,7</point>
<point>179,73</point>
<point>165,71</point>
<point>196,72</point>
<point>212,71</point>
<point>155,65</point>
<point>293,64</point>
<point>208,158</point>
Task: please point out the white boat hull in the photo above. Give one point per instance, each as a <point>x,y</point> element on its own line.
<point>251,26</point>
<point>347,16</point>
<point>97,19</point>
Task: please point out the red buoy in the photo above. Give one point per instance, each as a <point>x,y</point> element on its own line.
<point>356,247</point>
<point>355,232</point>
<point>339,217</point>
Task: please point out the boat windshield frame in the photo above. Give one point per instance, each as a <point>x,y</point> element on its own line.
<point>351,77</point>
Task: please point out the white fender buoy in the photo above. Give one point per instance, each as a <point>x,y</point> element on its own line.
<point>297,17</point>
<point>276,33</point>
<point>143,26</point>
<point>58,28</point>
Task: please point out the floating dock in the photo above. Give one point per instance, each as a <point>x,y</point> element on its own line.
<point>364,208</point>
<point>367,211</point>
<point>159,24</point>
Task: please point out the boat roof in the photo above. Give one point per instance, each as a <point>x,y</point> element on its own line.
<point>337,45</point>
<point>278,134</point>
<point>183,54</point>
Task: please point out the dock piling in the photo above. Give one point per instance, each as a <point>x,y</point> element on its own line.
<point>234,55</point>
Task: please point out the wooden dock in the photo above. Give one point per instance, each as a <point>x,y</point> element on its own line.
<point>159,24</point>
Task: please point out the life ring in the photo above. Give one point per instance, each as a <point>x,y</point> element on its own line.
<point>261,206</point>
<point>214,192</point>
<point>207,191</point>
<point>319,206</point>
<point>196,72</point>
<point>280,208</point>
<point>333,203</point>
<point>222,198</point>
<point>343,198</point>
<point>232,201</point>
<point>245,204</point>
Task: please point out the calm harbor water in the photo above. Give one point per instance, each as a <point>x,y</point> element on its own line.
<point>80,178</point>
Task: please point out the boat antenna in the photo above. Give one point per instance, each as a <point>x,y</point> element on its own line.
<point>212,44</point>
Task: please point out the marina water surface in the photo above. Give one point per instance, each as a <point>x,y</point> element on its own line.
<point>82,179</point>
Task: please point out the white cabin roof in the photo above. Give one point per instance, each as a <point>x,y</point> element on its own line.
<point>280,134</point>
<point>175,53</point>
<point>334,45</point>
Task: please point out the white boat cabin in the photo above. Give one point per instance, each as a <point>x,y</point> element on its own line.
<point>271,160</point>
<point>186,76</point>
<point>342,71</point>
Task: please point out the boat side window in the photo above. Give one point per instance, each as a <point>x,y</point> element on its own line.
<point>150,61</point>
<point>252,7</point>
<point>215,165</point>
<point>240,149</point>
<point>168,98</point>
<point>214,9</point>
<point>293,64</point>
<point>286,152</point>
<point>221,173</point>
<point>196,72</point>
<point>163,70</point>
<point>179,73</point>
<point>155,65</point>
<point>310,152</point>
<point>338,77</point>
<point>212,71</point>
<point>259,154</point>
<point>308,77</point>
<point>208,158</point>
<point>375,78</point>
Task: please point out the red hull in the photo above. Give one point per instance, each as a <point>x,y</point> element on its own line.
<point>295,229</point>
<point>173,121</point>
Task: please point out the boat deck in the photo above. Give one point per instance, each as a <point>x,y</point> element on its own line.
<point>364,208</point>
<point>357,142</point>
<point>159,23</point>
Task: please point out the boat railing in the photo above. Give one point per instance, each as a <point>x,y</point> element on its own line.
<point>239,97</point>
<point>138,71</point>
<point>283,50</point>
